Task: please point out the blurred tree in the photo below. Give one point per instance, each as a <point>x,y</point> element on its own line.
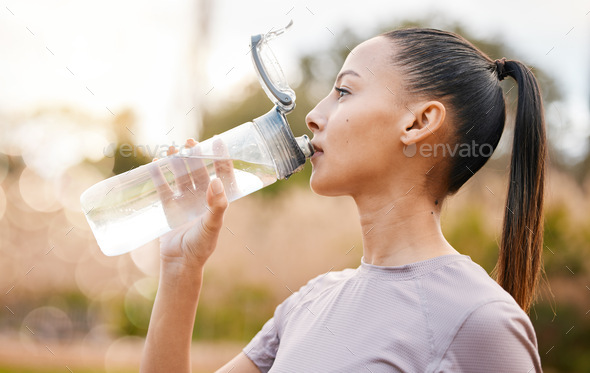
<point>127,155</point>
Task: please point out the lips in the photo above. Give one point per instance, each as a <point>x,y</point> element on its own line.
<point>316,146</point>
<point>318,150</point>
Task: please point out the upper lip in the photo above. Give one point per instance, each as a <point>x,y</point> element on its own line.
<point>316,147</point>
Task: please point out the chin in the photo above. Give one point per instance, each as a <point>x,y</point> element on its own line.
<point>324,187</point>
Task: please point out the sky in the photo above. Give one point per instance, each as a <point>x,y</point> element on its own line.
<point>101,57</point>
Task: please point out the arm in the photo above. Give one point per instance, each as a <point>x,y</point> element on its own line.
<point>183,253</point>
<point>240,364</point>
<point>168,341</point>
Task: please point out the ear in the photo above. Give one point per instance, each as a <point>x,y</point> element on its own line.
<point>428,118</point>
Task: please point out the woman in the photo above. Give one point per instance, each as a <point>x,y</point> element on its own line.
<point>414,304</point>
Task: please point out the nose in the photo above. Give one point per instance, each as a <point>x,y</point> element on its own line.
<point>315,119</point>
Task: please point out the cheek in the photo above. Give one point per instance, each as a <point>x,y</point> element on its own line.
<point>372,136</point>
<point>373,148</point>
<point>361,149</point>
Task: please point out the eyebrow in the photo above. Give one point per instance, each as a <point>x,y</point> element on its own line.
<point>346,72</point>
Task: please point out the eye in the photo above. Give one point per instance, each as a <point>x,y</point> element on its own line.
<point>341,92</point>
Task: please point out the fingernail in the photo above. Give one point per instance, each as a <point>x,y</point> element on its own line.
<point>217,186</point>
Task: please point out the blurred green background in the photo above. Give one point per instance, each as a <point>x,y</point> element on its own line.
<point>66,306</point>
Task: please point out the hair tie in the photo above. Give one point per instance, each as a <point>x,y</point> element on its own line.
<point>501,68</point>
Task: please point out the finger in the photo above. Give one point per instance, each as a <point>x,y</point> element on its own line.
<point>217,204</point>
<point>181,177</point>
<point>160,182</point>
<point>171,150</point>
<point>224,168</point>
<point>190,142</point>
<point>178,169</point>
<point>202,239</point>
<point>196,166</point>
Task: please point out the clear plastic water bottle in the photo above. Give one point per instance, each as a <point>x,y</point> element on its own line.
<point>133,208</point>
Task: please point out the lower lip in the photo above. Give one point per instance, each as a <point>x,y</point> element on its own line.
<point>316,154</point>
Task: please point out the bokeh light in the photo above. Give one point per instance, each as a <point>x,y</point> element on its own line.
<point>137,301</point>
<point>72,182</point>
<point>48,324</point>
<point>37,192</point>
<point>3,167</point>
<point>2,202</point>
<point>20,214</point>
<point>93,278</point>
<point>122,353</point>
<point>147,258</point>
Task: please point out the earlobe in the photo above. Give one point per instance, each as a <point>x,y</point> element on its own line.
<point>409,131</point>
<point>409,136</point>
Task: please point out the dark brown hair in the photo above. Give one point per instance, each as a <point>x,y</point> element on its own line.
<point>445,66</point>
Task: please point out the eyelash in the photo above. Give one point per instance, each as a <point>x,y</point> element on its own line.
<point>341,92</point>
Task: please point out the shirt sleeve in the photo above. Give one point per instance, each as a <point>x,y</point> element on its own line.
<point>263,348</point>
<point>496,337</point>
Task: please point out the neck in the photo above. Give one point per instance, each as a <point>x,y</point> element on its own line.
<point>401,228</point>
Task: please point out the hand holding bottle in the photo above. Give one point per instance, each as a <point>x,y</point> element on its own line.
<point>193,242</point>
<point>181,182</point>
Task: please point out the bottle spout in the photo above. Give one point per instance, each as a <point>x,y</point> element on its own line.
<point>305,145</point>
<point>287,151</point>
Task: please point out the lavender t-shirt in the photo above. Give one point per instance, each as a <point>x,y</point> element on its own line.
<point>440,315</point>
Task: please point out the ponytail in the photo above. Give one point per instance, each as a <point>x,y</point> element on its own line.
<point>520,258</point>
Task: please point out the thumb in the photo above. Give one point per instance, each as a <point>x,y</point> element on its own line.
<point>216,205</point>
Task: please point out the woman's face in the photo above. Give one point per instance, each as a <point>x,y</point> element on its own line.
<point>357,127</point>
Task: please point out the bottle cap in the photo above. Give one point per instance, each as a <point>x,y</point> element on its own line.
<point>269,71</point>
<point>288,153</point>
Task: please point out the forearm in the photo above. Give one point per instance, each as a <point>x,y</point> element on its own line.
<point>168,341</point>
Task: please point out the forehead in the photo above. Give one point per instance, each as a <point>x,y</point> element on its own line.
<point>370,58</point>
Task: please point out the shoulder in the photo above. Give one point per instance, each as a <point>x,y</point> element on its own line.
<point>452,292</point>
<point>497,321</point>
<point>459,287</point>
<point>495,337</point>
<point>475,321</point>
<point>319,284</point>
<point>263,348</point>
